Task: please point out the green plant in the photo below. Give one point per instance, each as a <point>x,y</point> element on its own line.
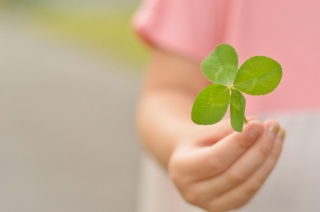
<point>259,75</point>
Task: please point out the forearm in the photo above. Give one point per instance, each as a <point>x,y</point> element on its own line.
<point>164,120</point>
<point>164,111</point>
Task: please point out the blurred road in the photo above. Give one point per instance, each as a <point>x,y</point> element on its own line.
<point>67,142</point>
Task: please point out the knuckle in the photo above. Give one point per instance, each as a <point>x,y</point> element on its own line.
<point>179,180</point>
<point>265,150</point>
<point>254,186</point>
<point>175,174</point>
<point>242,203</point>
<point>193,196</point>
<point>244,143</point>
<point>275,155</point>
<point>236,177</point>
<point>215,164</point>
<point>214,207</point>
<point>218,206</point>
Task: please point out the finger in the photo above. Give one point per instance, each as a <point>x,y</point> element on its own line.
<point>183,166</point>
<point>207,135</point>
<point>243,193</point>
<point>210,161</point>
<point>246,165</point>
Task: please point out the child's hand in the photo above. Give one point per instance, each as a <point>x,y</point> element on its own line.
<point>219,170</point>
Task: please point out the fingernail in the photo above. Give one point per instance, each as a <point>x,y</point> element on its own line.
<point>281,136</point>
<point>255,132</point>
<point>273,130</point>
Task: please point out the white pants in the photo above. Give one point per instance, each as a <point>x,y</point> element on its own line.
<point>293,186</point>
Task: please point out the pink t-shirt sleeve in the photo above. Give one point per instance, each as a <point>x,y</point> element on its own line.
<point>289,33</point>
<point>185,27</point>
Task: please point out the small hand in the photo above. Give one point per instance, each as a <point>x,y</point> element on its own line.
<point>218,169</point>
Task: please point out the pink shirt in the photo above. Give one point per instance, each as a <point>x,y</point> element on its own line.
<point>287,31</point>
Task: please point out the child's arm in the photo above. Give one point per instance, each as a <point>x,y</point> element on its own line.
<point>212,166</point>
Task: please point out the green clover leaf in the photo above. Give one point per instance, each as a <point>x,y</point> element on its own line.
<point>211,104</point>
<point>258,75</point>
<point>237,109</point>
<point>221,65</point>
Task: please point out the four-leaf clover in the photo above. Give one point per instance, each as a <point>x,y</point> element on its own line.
<point>259,75</point>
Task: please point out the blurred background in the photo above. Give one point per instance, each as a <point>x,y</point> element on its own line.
<point>69,80</point>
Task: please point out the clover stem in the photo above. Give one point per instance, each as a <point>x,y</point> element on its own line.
<point>245,120</point>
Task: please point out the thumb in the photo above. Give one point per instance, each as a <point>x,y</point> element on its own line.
<point>211,160</point>
<point>209,135</point>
